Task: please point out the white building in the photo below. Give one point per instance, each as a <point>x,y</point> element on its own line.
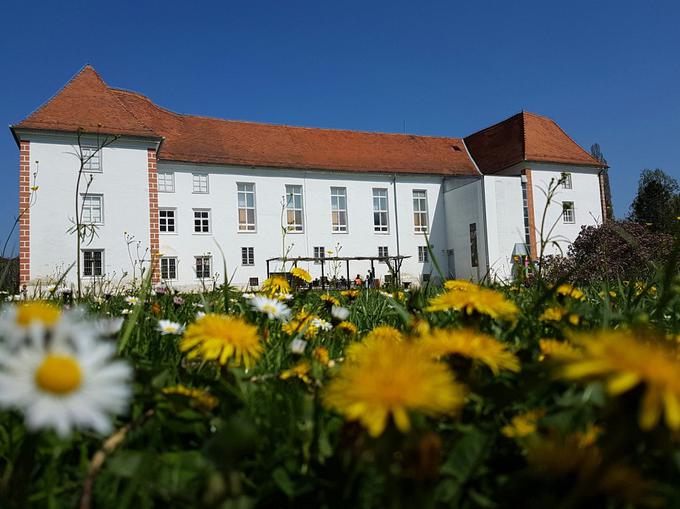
<point>199,193</point>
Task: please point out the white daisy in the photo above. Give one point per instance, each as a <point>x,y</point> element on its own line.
<point>285,296</point>
<point>66,383</point>
<point>274,309</point>
<point>126,311</point>
<point>298,346</point>
<point>19,321</point>
<point>170,327</point>
<point>322,324</point>
<point>132,300</point>
<point>340,312</point>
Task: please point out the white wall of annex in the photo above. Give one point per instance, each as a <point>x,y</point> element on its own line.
<point>267,241</point>
<point>464,205</point>
<point>124,186</point>
<point>505,222</point>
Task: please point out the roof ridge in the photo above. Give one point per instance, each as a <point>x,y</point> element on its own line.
<point>110,90</point>
<point>598,163</point>
<point>268,124</point>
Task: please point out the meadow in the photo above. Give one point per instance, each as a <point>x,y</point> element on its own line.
<point>529,394</point>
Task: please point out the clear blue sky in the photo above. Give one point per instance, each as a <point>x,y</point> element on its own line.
<point>607,72</point>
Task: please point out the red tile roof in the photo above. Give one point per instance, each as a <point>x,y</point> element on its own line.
<point>87,102</point>
<point>525,137</point>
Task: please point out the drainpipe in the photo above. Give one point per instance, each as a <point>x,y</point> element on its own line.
<point>396,221</point>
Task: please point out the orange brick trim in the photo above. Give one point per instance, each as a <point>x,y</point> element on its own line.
<point>154,239</point>
<point>532,217</point>
<point>603,199</point>
<point>24,212</point>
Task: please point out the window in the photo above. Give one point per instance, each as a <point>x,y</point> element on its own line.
<point>474,255</point>
<point>319,252</point>
<point>339,209</point>
<point>93,209</point>
<point>166,182</point>
<point>247,256</point>
<point>166,221</point>
<point>566,180</point>
<point>253,281</point>
<point>246,207</point>
<point>92,159</point>
<point>423,254</point>
<point>294,208</point>
<point>383,253</point>
<point>200,182</point>
<point>201,220</point>
<point>527,224</point>
<point>93,262</point>
<point>568,212</point>
<point>380,223</point>
<point>420,210</point>
<point>168,268</point>
<point>203,267</point>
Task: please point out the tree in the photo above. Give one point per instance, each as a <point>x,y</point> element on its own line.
<point>657,203</point>
<point>609,207</point>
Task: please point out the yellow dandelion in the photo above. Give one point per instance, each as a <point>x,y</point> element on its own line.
<point>222,338</point>
<point>302,322</point>
<point>300,370</point>
<point>200,397</point>
<point>482,301</point>
<point>557,350</point>
<point>301,274</point>
<point>569,291</point>
<point>329,299</point>
<point>350,294</point>
<point>460,285</point>
<point>554,314</point>
<point>623,362</point>
<point>321,354</point>
<point>275,285</point>
<point>523,425</point>
<point>471,344</point>
<point>347,327</point>
<point>389,379</point>
<point>574,319</point>
<point>37,312</point>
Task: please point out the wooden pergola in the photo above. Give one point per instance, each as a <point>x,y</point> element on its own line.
<point>393,262</point>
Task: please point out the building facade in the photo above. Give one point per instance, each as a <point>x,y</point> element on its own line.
<point>195,198</point>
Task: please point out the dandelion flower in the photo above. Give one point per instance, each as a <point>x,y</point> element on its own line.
<point>460,285</point>
<point>569,291</point>
<point>222,338</point>
<point>300,371</point>
<point>350,294</point>
<point>303,322</point>
<point>623,362</point>
<point>553,314</point>
<point>65,383</point>
<point>199,397</point>
<point>169,327</point>
<point>273,308</point>
<point>275,285</point>
<point>389,380</point>
<point>481,300</point>
<point>557,350</point>
<point>523,425</point>
<point>301,274</point>
<point>471,344</point>
<point>347,327</point>
<point>329,299</point>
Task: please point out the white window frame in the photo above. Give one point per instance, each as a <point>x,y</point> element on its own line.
<point>568,209</point>
<point>245,189</point>
<point>379,212</point>
<point>566,182</point>
<point>319,252</point>
<point>423,254</point>
<point>248,256</point>
<point>210,267</point>
<point>168,182</point>
<point>167,260</point>
<point>90,208</point>
<point>338,196</point>
<point>94,164</point>
<point>383,251</point>
<point>209,219</point>
<point>293,191</point>
<point>161,210</point>
<point>420,207</point>
<point>101,263</point>
<point>196,178</point>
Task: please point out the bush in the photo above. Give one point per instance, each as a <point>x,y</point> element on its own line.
<point>9,275</point>
<point>621,250</point>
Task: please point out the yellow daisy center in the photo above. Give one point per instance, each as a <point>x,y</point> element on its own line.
<point>37,312</point>
<point>269,308</point>
<point>58,374</point>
